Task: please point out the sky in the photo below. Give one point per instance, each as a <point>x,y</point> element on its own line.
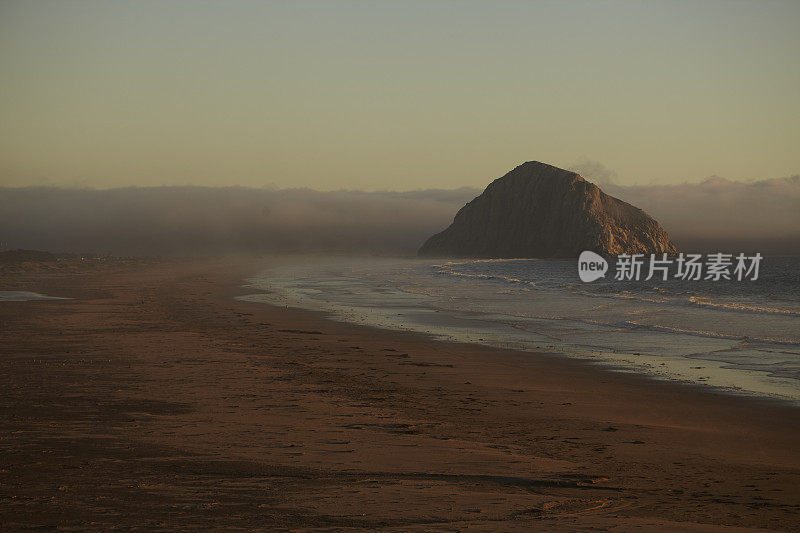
<point>408,95</point>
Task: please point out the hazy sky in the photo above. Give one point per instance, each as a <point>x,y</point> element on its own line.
<point>394,95</point>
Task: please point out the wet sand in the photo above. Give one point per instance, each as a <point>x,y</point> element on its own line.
<point>154,399</point>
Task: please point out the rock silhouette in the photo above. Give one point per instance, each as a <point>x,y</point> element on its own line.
<point>539,211</point>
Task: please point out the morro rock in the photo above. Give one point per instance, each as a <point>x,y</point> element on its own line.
<point>538,211</point>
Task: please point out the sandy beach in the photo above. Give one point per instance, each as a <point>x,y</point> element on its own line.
<point>152,398</point>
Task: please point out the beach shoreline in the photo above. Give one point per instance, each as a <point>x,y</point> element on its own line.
<point>534,306</point>
<point>154,398</point>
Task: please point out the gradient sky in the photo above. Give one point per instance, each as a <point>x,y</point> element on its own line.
<point>394,95</point>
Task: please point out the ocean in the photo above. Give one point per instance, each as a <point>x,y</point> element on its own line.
<point>740,337</point>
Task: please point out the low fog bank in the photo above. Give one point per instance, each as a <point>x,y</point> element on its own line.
<point>221,220</point>
<point>714,215</point>
<point>724,215</point>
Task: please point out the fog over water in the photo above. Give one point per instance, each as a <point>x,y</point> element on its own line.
<point>760,215</point>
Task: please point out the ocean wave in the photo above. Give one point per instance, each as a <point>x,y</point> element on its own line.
<point>704,302</point>
<point>663,328</point>
<point>741,308</point>
<point>646,293</point>
<point>445,269</point>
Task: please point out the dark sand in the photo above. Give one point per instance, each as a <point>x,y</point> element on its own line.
<point>154,399</point>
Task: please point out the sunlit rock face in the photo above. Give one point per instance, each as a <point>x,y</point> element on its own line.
<point>537,211</point>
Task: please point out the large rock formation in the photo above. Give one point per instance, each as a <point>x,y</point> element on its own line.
<point>538,210</point>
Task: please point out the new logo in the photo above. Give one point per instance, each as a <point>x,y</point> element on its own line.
<point>591,266</point>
